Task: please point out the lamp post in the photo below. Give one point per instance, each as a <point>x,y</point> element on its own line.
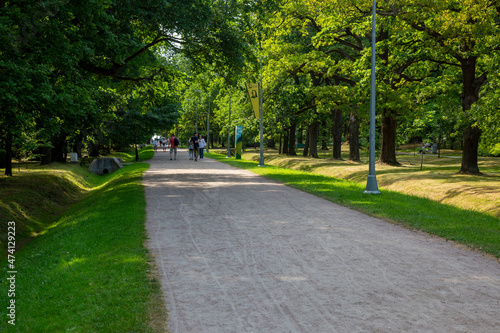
<point>371,183</point>
<point>208,123</point>
<point>261,116</point>
<point>228,155</point>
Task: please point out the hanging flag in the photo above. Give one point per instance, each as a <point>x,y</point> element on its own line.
<point>253,92</point>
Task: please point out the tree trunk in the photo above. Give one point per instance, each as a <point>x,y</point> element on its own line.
<point>389,127</point>
<point>136,153</point>
<point>271,143</point>
<point>285,141</point>
<point>46,155</point>
<point>306,144</point>
<point>93,149</point>
<point>470,94</point>
<point>470,147</point>
<point>337,133</point>
<point>389,117</point>
<point>440,137</point>
<point>77,147</point>
<point>313,139</point>
<point>60,150</point>
<point>280,146</point>
<point>354,137</point>
<point>8,154</point>
<point>291,139</point>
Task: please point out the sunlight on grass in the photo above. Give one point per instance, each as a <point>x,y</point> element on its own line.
<point>474,229</point>
<point>72,262</point>
<point>439,179</point>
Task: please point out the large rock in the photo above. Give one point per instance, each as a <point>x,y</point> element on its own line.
<point>105,165</point>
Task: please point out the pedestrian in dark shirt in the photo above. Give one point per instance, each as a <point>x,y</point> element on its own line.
<point>195,141</point>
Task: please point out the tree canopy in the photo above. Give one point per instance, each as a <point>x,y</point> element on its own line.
<point>93,71</point>
<point>107,73</point>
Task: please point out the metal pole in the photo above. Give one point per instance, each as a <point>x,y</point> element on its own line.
<point>229,130</point>
<point>208,124</point>
<point>261,116</point>
<point>371,183</point>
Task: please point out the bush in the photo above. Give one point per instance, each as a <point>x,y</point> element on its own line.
<point>494,151</point>
<point>488,150</point>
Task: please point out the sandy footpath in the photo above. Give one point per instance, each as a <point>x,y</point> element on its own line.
<point>240,253</point>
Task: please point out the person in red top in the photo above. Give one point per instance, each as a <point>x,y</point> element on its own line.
<point>173,146</point>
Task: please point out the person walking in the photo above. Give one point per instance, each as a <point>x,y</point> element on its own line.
<point>201,144</point>
<point>191,149</point>
<point>174,143</point>
<point>195,142</point>
<point>164,144</point>
<point>155,144</point>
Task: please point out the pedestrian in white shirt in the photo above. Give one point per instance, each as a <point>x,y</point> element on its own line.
<point>201,146</point>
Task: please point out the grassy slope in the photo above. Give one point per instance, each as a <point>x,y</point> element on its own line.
<point>33,198</point>
<point>89,271</point>
<point>37,195</point>
<point>474,229</point>
<point>438,180</point>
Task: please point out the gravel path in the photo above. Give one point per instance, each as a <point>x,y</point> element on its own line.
<point>240,253</point>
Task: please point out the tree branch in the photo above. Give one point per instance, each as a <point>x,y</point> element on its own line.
<point>145,48</point>
<point>292,73</point>
<point>115,67</point>
<point>441,62</point>
<point>342,53</point>
<point>348,44</point>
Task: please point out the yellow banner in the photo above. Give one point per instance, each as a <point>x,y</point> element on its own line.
<point>253,92</point>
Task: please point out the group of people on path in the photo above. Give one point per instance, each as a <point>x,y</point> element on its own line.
<point>196,145</point>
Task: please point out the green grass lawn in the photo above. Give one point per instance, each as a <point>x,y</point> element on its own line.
<point>88,270</point>
<point>438,180</point>
<point>129,155</point>
<point>474,229</point>
<point>37,195</point>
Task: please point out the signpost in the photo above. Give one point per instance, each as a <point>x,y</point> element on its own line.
<point>239,141</point>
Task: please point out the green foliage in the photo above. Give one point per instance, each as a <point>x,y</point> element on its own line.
<point>104,72</point>
<point>487,113</point>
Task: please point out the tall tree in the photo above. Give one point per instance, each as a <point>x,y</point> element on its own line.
<point>460,34</point>
<point>49,48</point>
